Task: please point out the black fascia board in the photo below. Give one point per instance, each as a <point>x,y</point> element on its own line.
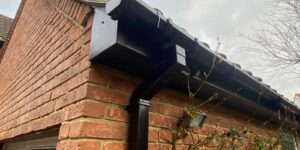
<point>134,36</point>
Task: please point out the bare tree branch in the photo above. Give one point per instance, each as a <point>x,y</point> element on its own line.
<point>278,40</point>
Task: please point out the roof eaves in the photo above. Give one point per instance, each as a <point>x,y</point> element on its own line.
<point>117,8</point>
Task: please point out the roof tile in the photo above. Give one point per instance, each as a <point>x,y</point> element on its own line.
<point>5,25</point>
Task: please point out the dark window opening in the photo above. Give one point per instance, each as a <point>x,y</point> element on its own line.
<point>39,141</point>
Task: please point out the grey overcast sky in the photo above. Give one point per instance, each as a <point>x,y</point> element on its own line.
<point>9,7</point>
<point>228,20</point>
<point>209,19</point>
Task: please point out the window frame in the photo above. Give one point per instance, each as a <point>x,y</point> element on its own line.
<point>37,141</point>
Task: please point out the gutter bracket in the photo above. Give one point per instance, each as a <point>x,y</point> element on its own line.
<point>139,102</point>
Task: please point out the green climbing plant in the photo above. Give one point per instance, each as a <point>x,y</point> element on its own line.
<point>233,138</point>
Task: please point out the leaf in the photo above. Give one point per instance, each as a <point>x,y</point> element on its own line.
<point>217,141</point>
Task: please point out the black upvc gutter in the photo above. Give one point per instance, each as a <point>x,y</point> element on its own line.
<point>135,38</point>
<point>151,18</point>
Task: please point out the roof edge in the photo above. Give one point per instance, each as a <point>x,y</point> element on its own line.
<point>16,19</point>
<point>136,11</point>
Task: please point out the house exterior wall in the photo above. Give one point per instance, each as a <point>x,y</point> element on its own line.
<point>44,67</point>
<point>47,81</point>
<point>109,130</point>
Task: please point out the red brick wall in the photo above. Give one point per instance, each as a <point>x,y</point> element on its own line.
<point>106,126</point>
<point>46,81</point>
<point>44,67</point>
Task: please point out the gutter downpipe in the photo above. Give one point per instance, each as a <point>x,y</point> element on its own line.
<point>139,102</point>
<point>172,58</point>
